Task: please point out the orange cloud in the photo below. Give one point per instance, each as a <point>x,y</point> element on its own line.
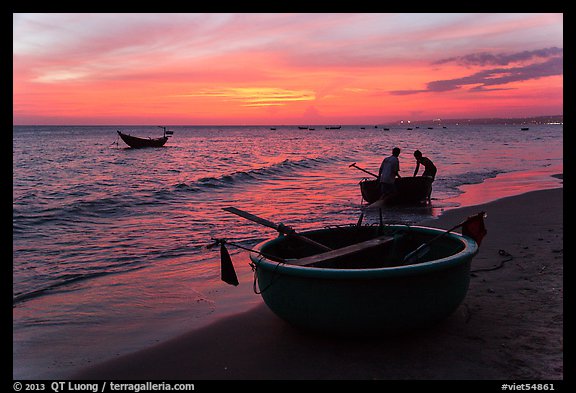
<point>255,96</point>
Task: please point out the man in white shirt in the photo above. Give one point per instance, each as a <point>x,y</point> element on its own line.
<point>389,170</point>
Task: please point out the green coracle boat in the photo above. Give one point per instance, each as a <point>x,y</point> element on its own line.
<point>367,289</point>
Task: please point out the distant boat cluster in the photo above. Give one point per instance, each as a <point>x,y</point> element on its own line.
<point>444,123</point>
<point>361,127</point>
<point>313,128</point>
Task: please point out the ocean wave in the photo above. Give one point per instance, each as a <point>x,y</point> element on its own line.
<point>282,169</point>
<point>70,210</point>
<point>63,207</point>
<point>451,184</point>
<point>65,280</point>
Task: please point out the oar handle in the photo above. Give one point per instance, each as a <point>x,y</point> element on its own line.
<point>262,221</point>
<point>363,170</point>
<point>279,227</point>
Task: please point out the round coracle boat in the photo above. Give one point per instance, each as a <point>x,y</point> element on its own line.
<point>366,285</point>
<point>409,190</point>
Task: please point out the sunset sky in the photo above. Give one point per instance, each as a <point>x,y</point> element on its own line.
<point>274,69</point>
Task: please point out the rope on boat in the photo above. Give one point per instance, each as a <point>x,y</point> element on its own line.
<point>116,141</point>
<point>256,283</point>
<point>262,255</point>
<point>501,252</point>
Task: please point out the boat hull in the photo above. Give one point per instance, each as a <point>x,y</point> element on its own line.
<point>367,300</point>
<point>138,143</point>
<point>409,190</point>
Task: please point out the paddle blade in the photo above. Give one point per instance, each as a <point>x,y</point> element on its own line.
<point>415,255</point>
<point>227,272</point>
<point>474,228</point>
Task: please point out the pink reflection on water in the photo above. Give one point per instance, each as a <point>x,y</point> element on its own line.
<point>509,184</point>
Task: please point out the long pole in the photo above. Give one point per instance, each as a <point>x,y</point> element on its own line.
<point>279,227</point>
<point>363,170</point>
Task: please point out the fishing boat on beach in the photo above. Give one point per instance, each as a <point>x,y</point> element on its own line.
<point>137,142</point>
<point>409,190</point>
<point>355,280</point>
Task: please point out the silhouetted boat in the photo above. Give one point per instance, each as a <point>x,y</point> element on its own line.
<point>137,143</point>
<point>358,288</point>
<point>524,128</point>
<point>356,280</point>
<point>409,190</point>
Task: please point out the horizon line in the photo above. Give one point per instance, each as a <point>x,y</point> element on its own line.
<point>395,122</point>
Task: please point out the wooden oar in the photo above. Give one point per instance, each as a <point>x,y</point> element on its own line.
<point>361,169</point>
<point>328,254</point>
<point>424,248</point>
<point>227,272</point>
<point>279,227</point>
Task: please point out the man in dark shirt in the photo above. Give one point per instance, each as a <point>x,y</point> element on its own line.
<point>429,168</point>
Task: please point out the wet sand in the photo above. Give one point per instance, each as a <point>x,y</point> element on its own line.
<point>510,325</point>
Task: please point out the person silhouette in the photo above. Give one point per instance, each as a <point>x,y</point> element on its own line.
<point>429,168</point>
<point>389,170</point>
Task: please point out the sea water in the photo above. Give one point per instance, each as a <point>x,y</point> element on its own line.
<point>109,242</point>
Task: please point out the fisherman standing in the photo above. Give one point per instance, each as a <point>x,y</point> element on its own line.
<point>389,170</point>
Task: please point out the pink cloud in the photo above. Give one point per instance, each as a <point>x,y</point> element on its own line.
<point>485,80</point>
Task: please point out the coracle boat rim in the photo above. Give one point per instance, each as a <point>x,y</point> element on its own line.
<point>470,249</point>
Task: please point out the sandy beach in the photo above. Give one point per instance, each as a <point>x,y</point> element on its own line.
<point>509,327</point>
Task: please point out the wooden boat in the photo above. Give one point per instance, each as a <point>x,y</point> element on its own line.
<point>137,143</point>
<point>409,190</point>
<point>369,288</point>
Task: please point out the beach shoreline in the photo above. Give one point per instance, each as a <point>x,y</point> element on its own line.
<point>510,326</point>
